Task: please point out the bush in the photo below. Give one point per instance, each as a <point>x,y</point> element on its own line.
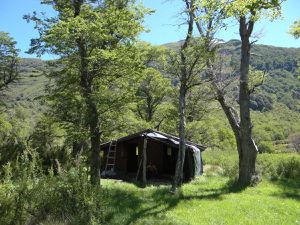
<point>274,166</point>
<point>228,161</point>
<point>289,168</point>
<point>68,195</point>
<point>266,147</point>
<point>27,196</point>
<point>261,102</point>
<point>294,139</point>
<point>277,166</point>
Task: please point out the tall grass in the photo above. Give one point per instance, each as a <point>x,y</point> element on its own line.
<point>28,196</point>
<point>273,166</point>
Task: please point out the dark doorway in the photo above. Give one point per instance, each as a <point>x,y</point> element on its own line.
<point>169,159</point>
<point>132,158</point>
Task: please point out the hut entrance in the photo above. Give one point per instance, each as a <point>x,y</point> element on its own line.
<point>132,158</point>
<point>169,159</point>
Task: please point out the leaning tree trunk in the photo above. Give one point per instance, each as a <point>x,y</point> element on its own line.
<point>234,121</point>
<point>92,117</point>
<point>247,152</point>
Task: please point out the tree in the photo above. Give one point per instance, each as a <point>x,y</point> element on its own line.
<point>151,93</point>
<point>152,104</point>
<point>154,87</point>
<point>48,139</point>
<point>95,40</point>
<point>187,66</point>
<point>8,60</point>
<point>66,107</point>
<point>14,132</point>
<point>209,18</point>
<point>248,14</point>
<point>295,29</point>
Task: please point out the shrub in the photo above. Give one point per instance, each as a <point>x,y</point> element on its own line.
<point>289,168</point>
<point>228,161</point>
<point>274,166</point>
<point>27,196</point>
<point>266,147</point>
<point>277,166</point>
<point>294,139</point>
<point>261,102</point>
<point>68,195</point>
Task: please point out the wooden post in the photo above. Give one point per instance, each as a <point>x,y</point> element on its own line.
<point>145,160</point>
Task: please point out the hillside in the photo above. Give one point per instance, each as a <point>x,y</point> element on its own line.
<point>20,98</point>
<point>282,81</point>
<point>30,85</point>
<point>275,105</point>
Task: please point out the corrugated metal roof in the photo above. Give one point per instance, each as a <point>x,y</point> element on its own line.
<point>157,135</point>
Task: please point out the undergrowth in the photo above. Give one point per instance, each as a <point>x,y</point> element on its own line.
<point>28,196</point>
<point>272,166</point>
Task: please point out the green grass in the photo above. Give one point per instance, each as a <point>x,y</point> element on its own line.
<point>207,200</point>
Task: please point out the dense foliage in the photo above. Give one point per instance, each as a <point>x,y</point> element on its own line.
<point>8,60</point>
<point>295,29</point>
<point>29,196</point>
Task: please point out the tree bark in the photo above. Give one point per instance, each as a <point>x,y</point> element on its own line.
<point>145,160</point>
<point>184,76</point>
<point>247,152</point>
<point>235,125</point>
<point>178,178</point>
<point>95,144</point>
<point>241,125</point>
<point>92,116</point>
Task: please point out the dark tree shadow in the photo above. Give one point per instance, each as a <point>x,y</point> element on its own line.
<point>118,201</point>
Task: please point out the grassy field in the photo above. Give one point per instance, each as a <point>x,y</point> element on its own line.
<point>207,200</point>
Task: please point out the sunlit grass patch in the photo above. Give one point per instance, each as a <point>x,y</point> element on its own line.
<point>206,200</point>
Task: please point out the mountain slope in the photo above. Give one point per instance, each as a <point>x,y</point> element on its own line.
<point>276,104</point>
<point>282,82</point>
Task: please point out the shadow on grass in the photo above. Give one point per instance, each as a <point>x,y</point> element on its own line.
<point>119,202</point>
<point>289,188</point>
<point>128,207</point>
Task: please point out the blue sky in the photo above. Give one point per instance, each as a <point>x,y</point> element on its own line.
<point>163,24</point>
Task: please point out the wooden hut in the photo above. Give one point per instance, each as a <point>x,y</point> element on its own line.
<point>150,154</point>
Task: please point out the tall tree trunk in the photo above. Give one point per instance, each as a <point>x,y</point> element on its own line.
<point>247,153</point>
<point>241,125</point>
<point>92,116</point>
<point>182,142</point>
<point>184,76</point>
<point>233,120</point>
<point>145,160</point>
<point>95,144</point>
